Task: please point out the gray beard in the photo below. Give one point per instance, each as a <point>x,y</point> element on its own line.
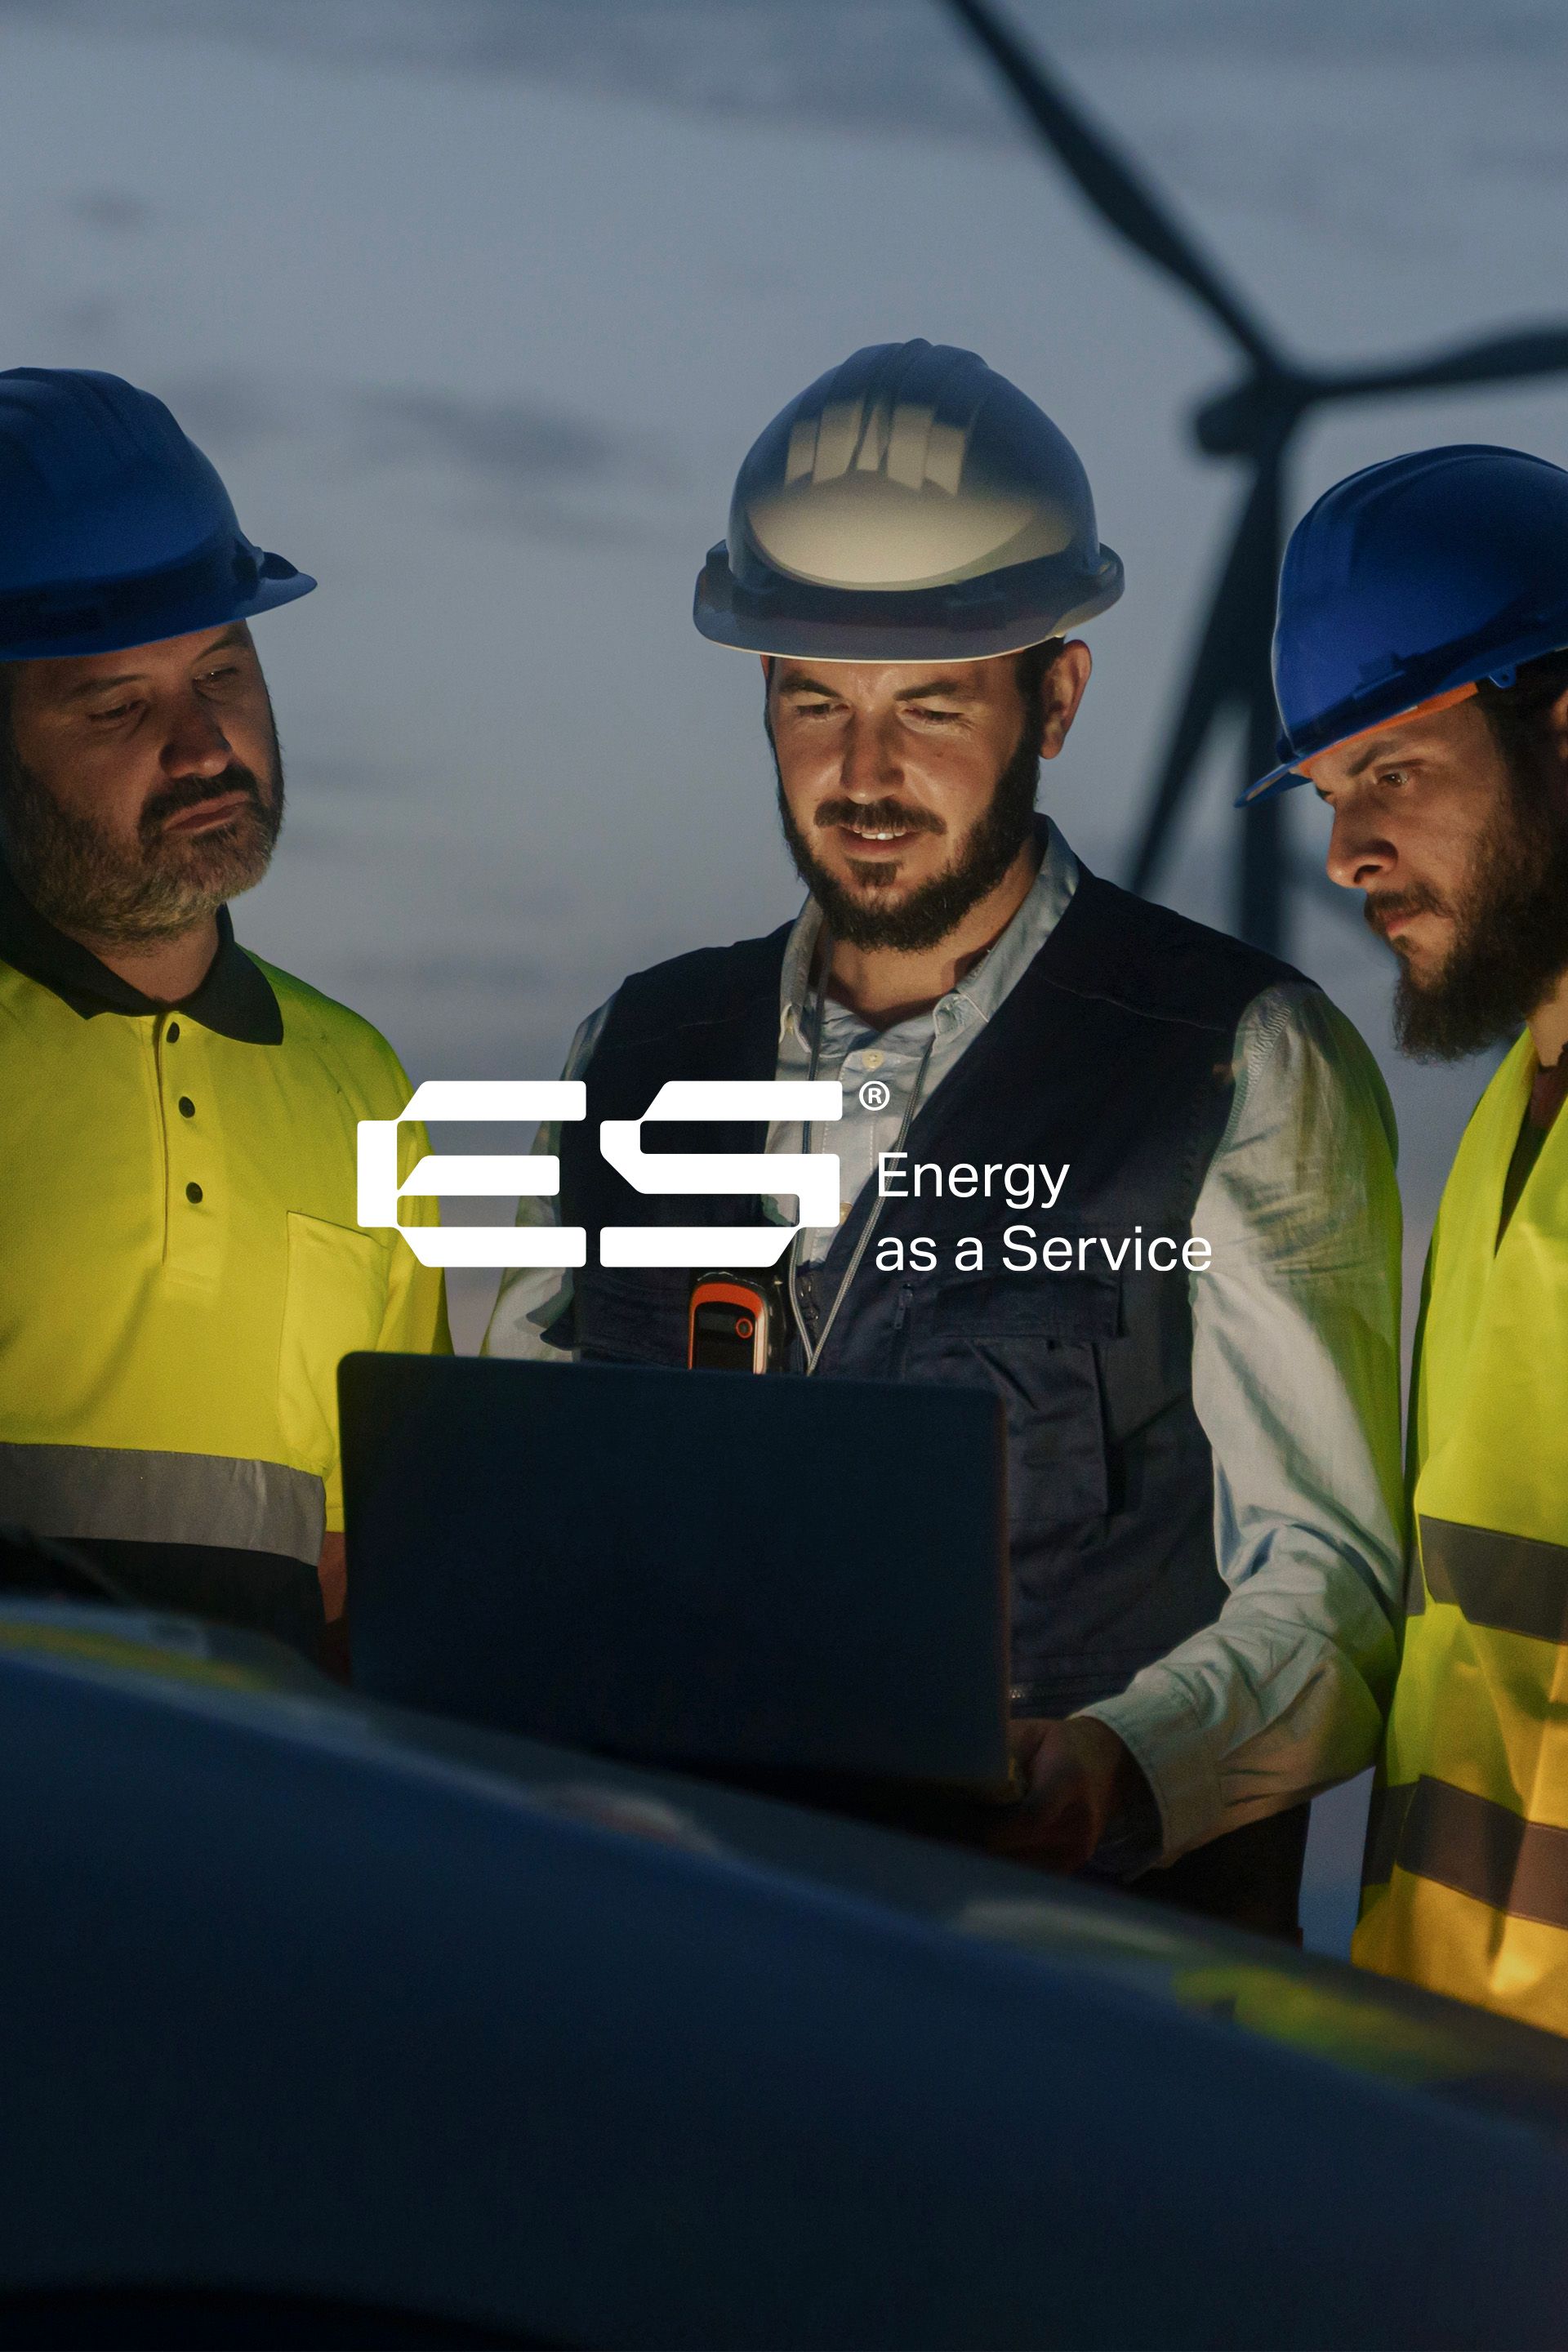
<point>94,886</point>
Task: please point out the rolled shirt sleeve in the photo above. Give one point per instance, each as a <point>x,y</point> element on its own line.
<point>1296,1383</point>
<point>531,1298</point>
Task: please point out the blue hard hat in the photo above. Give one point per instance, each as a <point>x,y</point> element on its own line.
<point>1409,580</point>
<point>911,505</point>
<point>114,528</point>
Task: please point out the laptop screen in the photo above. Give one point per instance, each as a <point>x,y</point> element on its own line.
<point>702,1568</point>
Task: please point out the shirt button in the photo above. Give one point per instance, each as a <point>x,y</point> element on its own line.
<point>187,1108</point>
<point>192,1191</point>
<point>873,1061</point>
<point>173,1033</point>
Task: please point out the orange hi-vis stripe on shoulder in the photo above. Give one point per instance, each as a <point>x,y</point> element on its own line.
<point>1429,709</point>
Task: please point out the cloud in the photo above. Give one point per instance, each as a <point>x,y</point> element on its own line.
<point>337,773</point>
<point>460,970</point>
<point>901,67</point>
<point>89,325</point>
<point>116,212</point>
<point>505,443</point>
<point>233,411</point>
<point>519,463</point>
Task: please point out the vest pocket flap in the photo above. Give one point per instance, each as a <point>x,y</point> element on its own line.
<point>1063,1307</point>
<point>635,1317</point>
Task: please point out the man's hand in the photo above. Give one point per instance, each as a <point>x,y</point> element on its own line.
<point>1078,1775</point>
<point>334,1571</point>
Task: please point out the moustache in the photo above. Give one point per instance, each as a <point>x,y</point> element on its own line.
<point>196,791</point>
<point>1381,906</point>
<point>876,813</point>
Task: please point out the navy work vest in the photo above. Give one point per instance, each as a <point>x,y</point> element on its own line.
<point>1114,1052</point>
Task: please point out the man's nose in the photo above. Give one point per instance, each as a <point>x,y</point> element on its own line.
<point>195,743</point>
<point>869,762</point>
<point>1360,854</point>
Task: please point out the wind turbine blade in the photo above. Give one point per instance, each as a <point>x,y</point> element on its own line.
<point>1499,359</point>
<point>1219,676</point>
<point>1211,685</point>
<point>1109,180</point>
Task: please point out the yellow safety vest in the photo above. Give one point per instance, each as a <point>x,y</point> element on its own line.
<point>181,1264</point>
<point>1466,1882</point>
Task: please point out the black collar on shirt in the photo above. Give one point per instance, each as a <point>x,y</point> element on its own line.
<point>236,999</point>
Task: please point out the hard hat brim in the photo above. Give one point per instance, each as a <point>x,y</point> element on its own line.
<point>972,621</point>
<point>1405,696</point>
<point>220,585</point>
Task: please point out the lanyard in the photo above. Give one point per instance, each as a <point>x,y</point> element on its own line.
<point>813,1353</point>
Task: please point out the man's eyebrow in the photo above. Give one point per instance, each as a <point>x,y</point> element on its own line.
<point>940,688</point>
<point>1375,750</point>
<point>101,685</point>
<point>950,690</point>
<point>233,635</point>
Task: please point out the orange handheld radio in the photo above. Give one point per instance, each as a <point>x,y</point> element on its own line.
<point>737,1323</point>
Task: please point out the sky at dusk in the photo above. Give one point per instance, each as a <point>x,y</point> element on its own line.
<point>477,304</point>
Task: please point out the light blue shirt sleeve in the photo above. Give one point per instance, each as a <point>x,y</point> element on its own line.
<point>532,1296</point>
<point>1296,1383</point>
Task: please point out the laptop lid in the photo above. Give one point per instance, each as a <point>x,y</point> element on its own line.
<point>704,1569</point>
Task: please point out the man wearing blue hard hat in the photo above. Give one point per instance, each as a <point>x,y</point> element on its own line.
<point>1421,659</point>
<point>181,1266</point>
<point>1202,1465</point>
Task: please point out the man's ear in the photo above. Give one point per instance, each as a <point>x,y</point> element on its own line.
<point>1061,691</point>
<point>1557,728</point>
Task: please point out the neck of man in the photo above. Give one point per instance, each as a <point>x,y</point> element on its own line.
<point>167,970</point>
<point>885,985</point>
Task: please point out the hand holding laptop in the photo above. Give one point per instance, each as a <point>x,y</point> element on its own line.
<point>1077,1778</point>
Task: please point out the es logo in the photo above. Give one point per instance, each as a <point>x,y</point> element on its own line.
<point>812,1177</point>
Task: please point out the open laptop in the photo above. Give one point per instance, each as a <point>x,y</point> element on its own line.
<point>705,1570</point>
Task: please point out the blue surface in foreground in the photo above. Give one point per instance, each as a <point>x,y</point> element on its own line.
<point>309,1996</point>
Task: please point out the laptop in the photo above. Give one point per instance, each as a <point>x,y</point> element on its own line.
<point>708,1570</point>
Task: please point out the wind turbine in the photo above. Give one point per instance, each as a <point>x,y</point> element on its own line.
<point>1256,420</point>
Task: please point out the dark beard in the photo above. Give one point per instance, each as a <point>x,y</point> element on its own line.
<point>95,886</point>
<point>1511,943</point>
<point>939,905</point>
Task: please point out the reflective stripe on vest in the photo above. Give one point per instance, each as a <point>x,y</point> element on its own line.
<point>1475,1847</point>
<point>158,1497</point>
<point>1467,1867</point>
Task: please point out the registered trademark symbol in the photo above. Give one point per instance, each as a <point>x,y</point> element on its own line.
<point>875,1095</point>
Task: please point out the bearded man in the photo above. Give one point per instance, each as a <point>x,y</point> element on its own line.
<point>180,1265</point>
<point>1422,676</point>
<point>1202,1467</point>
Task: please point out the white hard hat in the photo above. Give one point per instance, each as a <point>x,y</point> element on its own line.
<point>911,505</point>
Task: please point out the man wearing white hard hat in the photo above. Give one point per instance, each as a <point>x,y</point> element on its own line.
<point>1203,1461</point>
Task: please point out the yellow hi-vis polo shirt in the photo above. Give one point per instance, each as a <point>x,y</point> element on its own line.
<point>181,1269</point>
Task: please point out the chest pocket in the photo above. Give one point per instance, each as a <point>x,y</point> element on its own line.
<point>1036,1341</point>
<point>335,1302</point>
